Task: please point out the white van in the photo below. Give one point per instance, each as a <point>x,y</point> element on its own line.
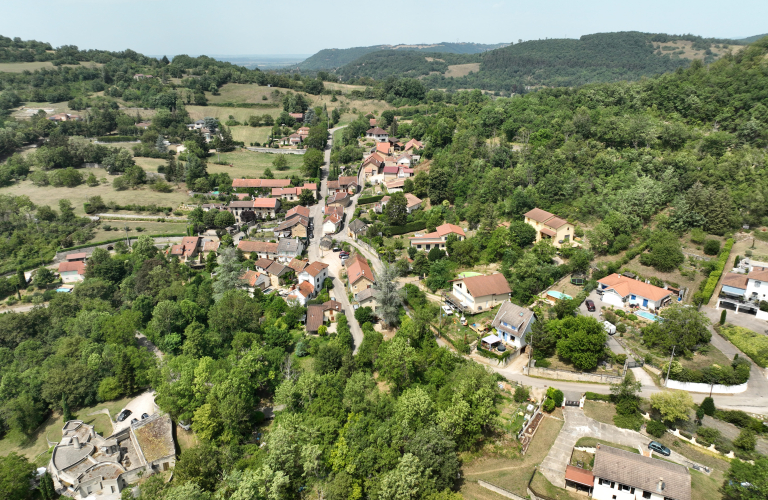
<point>610,328</point>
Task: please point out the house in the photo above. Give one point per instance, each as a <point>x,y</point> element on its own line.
<point>356,228</point>
<point>299,117</point>
<point>72,272</point>
<point>302,293</point>
<point>279,274</point>
<point>340,199</point>
<point>253,279</point>
<point>382,148</point>
<point>296,227</point>
<point>372,122</point>
<point>366,298</point>
<point>620,291</point>
<point>395,185</point>
<point>315,318</point>
<point>405,160</point>
<point>623,475</point>
<point>512,324</point>
<point>294,139</point>
<point>64,117</point>
<point>297,211</point>
<point>243,184</point>
<point>412,202</point>
<point>261,207</point>
<point>347,184</point>
<point>476,294</point>
<point>390,173</point>
<point>359,273</point>
<point>332,224</point>
<point>211,246</point>
<point>413,145</point>
<point>381,205</point>
<point>258,249</point>
<point>743,292</point>
<point>139,76</point>
<point>77,257</point>
<point>404,172</point>
<point>549,226</point>
<point>437,239</point>
<point>326,242</point>
<point>303,132</point>
<point>377,134</point>
<point>187,250</point>
<point>88,465</point>
<point>315,273</point>
<point>298,265</point>
<point>289,248</point>
<point>144,125</point>
<point>331,310</point>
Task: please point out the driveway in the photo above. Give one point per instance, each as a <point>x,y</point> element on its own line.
<point>143,403</point>
<point>578,425</point>
<point>741,319</point>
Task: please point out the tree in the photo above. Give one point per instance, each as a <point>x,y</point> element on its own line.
<point>227,273</point>
<point>665,254</point>
<point>673,405</point>
<point>521,394</point>
<point>21,279</point>
<point>521,234</point>
<point>625,393</point>
<point>160,144</point>
<point>364,315</point>
<point>746,440</point>
<point>47,488</point>
<point>420,263</point>
<point>581,340</point>
<point>396,209</point>
<point>15,474</point>
<point>280,163</point>
<point>682,327</point>
<point>440,273</point>
<point>224,219</point>
<point>66,413</point>
<point>195,169</point>
<point>43,277</point>
<point>746,481</point>
<point>711,247</point>
<point>306,197</point>
<point>386,294</point>
<point>395,362</point>
<point>708,405</point>
<point>313,160</point>
<point>404,481</point>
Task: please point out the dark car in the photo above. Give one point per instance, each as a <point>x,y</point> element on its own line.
<point>337,249</point>
<point>144,415</point>
<point>134,420</point>
<point>123,415</point>
<point>590,305</point>
<point>659,448</point>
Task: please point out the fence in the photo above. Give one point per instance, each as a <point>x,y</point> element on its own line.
<point>551,373</point>
<point>706,388</point>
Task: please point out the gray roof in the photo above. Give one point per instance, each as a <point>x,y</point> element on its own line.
<point>649,474</point>
<point>365,294</point>
<point>290,245</point>
<point>277,269</point>
<point>514,315</point>
<point>357,226</point>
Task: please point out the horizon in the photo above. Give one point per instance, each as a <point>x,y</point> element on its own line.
<point>174,27</point>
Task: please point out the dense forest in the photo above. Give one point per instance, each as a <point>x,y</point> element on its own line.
<point>328,59</point>
<point>602,57</point>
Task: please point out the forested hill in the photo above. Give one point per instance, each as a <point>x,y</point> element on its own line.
<point>751,39</point>
<point>601,57</point>
<point>336,58</point>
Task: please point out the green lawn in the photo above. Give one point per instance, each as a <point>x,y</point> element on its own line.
<point>150,228</point>
<point>250,164</point>
<point>602,412</point>
<point>248,134</point>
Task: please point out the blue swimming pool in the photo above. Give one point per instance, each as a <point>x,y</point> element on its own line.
<point>647,315</point>
<point>559,295</point>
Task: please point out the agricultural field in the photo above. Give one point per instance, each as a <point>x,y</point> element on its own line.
<point>150,228</point>
<point>251,164</point>
<point>249,135</point>
<point>18,67</point>
<point>459,70</point>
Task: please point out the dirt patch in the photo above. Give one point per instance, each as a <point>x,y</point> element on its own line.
<point>459,70</point>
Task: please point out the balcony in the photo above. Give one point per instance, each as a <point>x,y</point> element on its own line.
<point>456,303</point>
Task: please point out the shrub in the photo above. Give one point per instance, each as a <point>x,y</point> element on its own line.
<point>543,363</point>
<point>708,434</point>
<point>750,343</point>
<point>610,316</point>
<point>746,440</point>
<point>549,406</point>
<point>521,394</point>
<point>686,435</point>
<point>556,395</point>
<point>621,313</point>
<point>735,417</point>
<point>634,422</point>
<point>621,328</point>
<point>723,448</point>
<point>593,396</point>
<point>258,417</point>
<point>708,405</point>
<point>631,317</point>
<point>698,235</point>
<point>711,247</point>
<point>655,428</point>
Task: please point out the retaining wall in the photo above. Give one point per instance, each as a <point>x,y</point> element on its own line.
<point>499,490</point>
<point>706,388</point>
<point>572,376</point>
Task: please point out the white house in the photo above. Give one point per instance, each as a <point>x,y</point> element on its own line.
<point>512,324</point>
<point>742,292</point>
<point>377,134</point>
<point>621,291</point>
<point>623,475</point>
<point>478,293</point>
<point>331,224</point>
<point>315,273</point>
<point>437,239</point>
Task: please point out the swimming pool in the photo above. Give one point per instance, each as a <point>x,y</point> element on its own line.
<point>647,315</point>
<point>468,274</point>
<point>559,295</point>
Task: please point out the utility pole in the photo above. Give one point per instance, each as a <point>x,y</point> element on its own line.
<point>670,364</point>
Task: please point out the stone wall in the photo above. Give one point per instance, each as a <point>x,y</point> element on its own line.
<point>572,376</point>
<point>706,388</point>
<point>499,490</point>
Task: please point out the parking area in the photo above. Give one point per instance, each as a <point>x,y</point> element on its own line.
<point>143,403</point>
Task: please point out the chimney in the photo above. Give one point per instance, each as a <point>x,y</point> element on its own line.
<point>661,484</point>
<point>76,443</point>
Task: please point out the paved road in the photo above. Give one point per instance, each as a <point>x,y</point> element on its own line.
<point>578,425</point>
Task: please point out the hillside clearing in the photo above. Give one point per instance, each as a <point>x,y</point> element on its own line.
<point>459,70</point>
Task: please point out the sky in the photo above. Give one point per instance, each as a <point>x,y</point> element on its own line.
<point>242,27</point>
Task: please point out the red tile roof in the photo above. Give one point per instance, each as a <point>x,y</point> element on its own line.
<point>265,203</point>
<point>444,229</point>
<point>250,277</point>
<point>315,268</point>
<point>306,288</point>
<point>627,286</point>
<point>539,215</point>
<point>297,210</point>
<point>480,286</point>
<point>77,256</point>
<point>390,170</point>
<point>579,476</point>
<point>257,246</point>
<point>211,246</point>
<point>358,268</point>
<point>78,266</point>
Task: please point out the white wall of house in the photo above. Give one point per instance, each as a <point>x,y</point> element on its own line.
<point>605,492</point>
<point>317,281</point>
<point>516,339</point>
<point>71,277</point>
<point>756,289</point>
<point>329,228</point>
<point>612,298</point>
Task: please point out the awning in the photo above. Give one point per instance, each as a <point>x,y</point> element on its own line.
<point>733,291</point>
<point>549,232</point>
<point>491,339</point>
<point>580,476</point>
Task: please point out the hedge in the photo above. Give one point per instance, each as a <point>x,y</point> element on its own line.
<point>593,396</point>
<point>714,277</point>
<point>370,199</point>
<point>407,228</point>
<point>244,104</point>
<point>118,138</point>
<point>138,208</point>
<point>492,355</point>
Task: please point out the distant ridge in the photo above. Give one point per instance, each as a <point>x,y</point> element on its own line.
<point>336,58</point>
<point>751,39</point>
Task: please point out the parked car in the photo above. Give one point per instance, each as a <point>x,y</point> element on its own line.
<point>448,311</point>
<point>659,448</point>
<point>123,415</point>
<point>344,253</point>
<point>336,249</point>
<point>144,415</point>
<point>610,328</point>
<point>590,305</point>
<point>134,420</point>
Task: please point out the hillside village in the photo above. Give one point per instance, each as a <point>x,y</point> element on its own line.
<point>427,296</point>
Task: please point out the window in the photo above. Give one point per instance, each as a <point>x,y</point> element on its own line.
<point>633,297</point>
<point>624,487</point>
<point>646,494</point>
<point>757,284</point>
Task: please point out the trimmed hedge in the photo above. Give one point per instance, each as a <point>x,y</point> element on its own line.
<point>492,355</point>
<point>714,277</point>
<point>407,228</point>
<point>370,199</point>
<point>593,396</point>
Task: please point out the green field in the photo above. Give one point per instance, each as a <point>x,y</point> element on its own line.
<point>150,228</point>
<point>249,135</point>
<point>222,114</point>
<point>250,164</point>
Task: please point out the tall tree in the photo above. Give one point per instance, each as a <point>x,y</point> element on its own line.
<point>387,295</point>
<point>227,273</point>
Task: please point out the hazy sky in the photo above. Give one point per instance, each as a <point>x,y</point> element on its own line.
<point>234,27</point>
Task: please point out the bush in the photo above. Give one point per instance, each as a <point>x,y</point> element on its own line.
<point>698,235</point>
<point>707,434</point>
<point>549,406</point>
<point>367,200</point>
<point>634,422</point>
<point>621,328</point>
<point>746,440</point>
<point>655,428</point>
<point>735,417</point>
<point>593,396</point>
<point>258,417</point>
<point>631,317</point>
<point>711,247</point>
<point>723,448</point>
<point>708,405</point>
<point>521,394</point>
<point>711,283</point>
<point>543,363</point>
<point>406,228</point>
<point>556,395</point>
<point>621,313</point>
<point>750,343</point>
<point>686,435</point>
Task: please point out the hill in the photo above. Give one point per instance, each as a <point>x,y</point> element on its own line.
<point>336,58</point>
<point>601,57</point>
<point>751,39</point>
